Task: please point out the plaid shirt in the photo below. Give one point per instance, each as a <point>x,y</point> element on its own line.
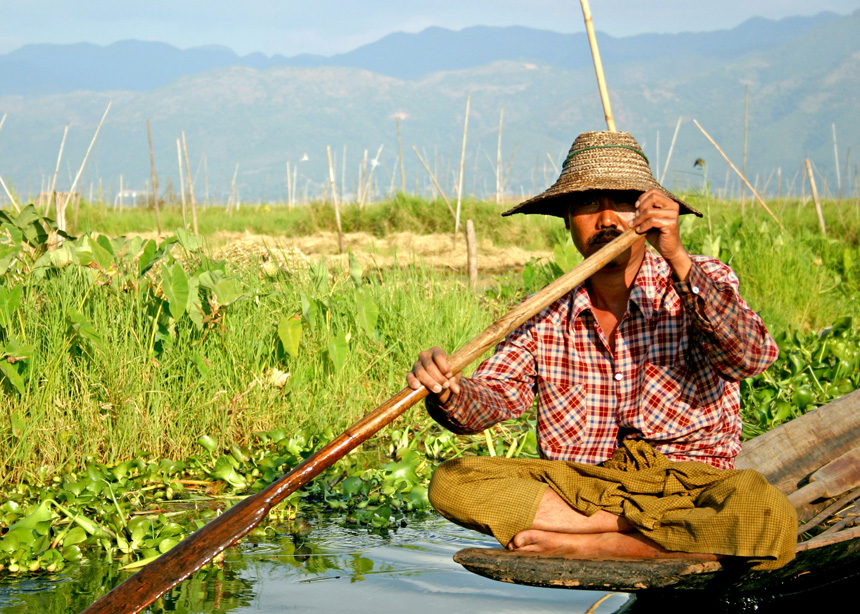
<point>681,350</point>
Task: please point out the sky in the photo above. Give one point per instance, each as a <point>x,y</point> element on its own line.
<point>327,27</point>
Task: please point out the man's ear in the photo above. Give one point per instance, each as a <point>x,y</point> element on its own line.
<point>567,220</point>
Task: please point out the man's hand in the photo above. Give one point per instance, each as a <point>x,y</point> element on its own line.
<point>657,218</point>
<point>432,371</point>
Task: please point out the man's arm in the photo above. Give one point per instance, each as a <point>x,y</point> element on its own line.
<point>731,336</point>
<point>501,388</point>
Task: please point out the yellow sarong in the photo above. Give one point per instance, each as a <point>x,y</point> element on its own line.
<point>682,506</point>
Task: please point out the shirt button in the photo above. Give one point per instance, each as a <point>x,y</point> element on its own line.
<point>618,377</point>
<point>695,289</point>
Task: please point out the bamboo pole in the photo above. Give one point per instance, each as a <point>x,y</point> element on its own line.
<point>81,169</point>
<point>181,183</point>
<point>154,179</point>
<point>815,198</point>
<point>472,255</point>
<point>120,203</point>
<point>552,163</point>
<point>190,185</point>
<point>400,149</point>
<point>373,164</point>
<point>334,198</point>
<point>289,187</point>
<point>746,119</point>
<point>362,178</point>
<point>499,159</point>
<point>836,160</point>
<point>187,557</point>
<point>435,182</point>
<point>462,163</point>
<point>9,194</point>
<point>598,66</point>
<point>52,195</point>
<point>741,175</point>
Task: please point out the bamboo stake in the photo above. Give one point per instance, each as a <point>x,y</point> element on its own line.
<point>234,192</point>
<point>373,164</point>
<point>815,198</point>
<point>598,66</point>
<point>9,194</point>
<point>181,183</point>
<point>499,159</point>
<point>154,179</point>
<point>334,198</point>
<point>435,182</point>
<point>836,160</point>
<point>289,187</point>
<point>120,194</point>
<point>52,196</point>
<point>81,169</point>
<point>553,164</point>
<point>400,149</point>
<point>362,178</point>
<point>187,557</point>
<point>744,179</point>
<point>746,118</point>
<point>472,255</point>
<point>190,185</point>
<point>462,163</point>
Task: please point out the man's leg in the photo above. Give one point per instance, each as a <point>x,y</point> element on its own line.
<point>559,529</point>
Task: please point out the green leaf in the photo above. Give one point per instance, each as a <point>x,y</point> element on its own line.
<point>147,258</point>
<point>367,314</point>
<point>711,246</point>
<point>188,240</point>
<point>224,470</point>
<point>80,327</point>
<point>290,334</point>
<point>174,283</point>
<point>208,443</point>
<point>319,276</point>
<point>10,301</point>
<point>38,520</point>
<point>10,372</point>
<point>8,255</point>
<point>338,351</point>
<point>310,311</point>
<point>355,269</point>
<point>76,535</point>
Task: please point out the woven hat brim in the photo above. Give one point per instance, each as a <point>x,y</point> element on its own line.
<point>549,202</point>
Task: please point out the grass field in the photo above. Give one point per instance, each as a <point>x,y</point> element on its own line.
<point>122,346</point>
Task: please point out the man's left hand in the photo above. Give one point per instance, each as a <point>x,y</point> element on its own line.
<point>657,218</point>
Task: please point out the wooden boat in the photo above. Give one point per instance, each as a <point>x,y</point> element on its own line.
<point>786,456</point>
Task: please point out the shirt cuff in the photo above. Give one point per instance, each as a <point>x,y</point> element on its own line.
<point>451,414</point>
<point>696,293</point>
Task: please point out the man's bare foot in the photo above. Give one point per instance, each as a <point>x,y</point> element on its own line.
<point>597,546</point>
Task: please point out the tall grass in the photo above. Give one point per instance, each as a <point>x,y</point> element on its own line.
<point>115,372</point>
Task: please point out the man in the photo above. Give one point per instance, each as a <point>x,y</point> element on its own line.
<point>636,374</point>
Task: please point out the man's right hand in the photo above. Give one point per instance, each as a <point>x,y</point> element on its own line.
<point>431,370</point>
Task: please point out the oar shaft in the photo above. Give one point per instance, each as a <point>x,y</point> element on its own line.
<point>196,550</point>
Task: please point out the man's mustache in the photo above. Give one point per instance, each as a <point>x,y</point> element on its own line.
<point>604,236</point>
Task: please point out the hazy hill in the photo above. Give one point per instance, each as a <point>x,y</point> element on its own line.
<point>803,75</point>
<point>141,66</point>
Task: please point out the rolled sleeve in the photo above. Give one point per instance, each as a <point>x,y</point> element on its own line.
<point>732,336</point>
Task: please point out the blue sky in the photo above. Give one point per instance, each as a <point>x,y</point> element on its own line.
<point>332,26</point>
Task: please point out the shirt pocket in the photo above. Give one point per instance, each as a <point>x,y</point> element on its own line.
<point>671,407</point>
<point>561,415</point>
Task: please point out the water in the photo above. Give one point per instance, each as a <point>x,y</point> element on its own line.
<point>334,569</point>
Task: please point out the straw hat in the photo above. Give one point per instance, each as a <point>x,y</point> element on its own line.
<point>598,161</point>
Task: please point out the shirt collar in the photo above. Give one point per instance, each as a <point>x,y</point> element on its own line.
<point>647,292</point>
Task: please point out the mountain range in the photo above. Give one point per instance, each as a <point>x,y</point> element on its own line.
<point>260,112</point>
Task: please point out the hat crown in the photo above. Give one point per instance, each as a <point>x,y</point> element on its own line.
<point>598,161</point>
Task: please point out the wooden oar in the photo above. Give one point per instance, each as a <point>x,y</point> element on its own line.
<point>831,480</point>
<point>196,550</point>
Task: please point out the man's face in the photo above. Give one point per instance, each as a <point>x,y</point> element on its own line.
<point>597,217</point>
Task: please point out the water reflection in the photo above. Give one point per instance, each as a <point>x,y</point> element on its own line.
<point>331,569</point>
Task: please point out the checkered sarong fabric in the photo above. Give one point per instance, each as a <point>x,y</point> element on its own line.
<point>682,506</point>
<point>680,352</point>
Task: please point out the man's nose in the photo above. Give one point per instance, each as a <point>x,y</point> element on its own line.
<point>608,217</point>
